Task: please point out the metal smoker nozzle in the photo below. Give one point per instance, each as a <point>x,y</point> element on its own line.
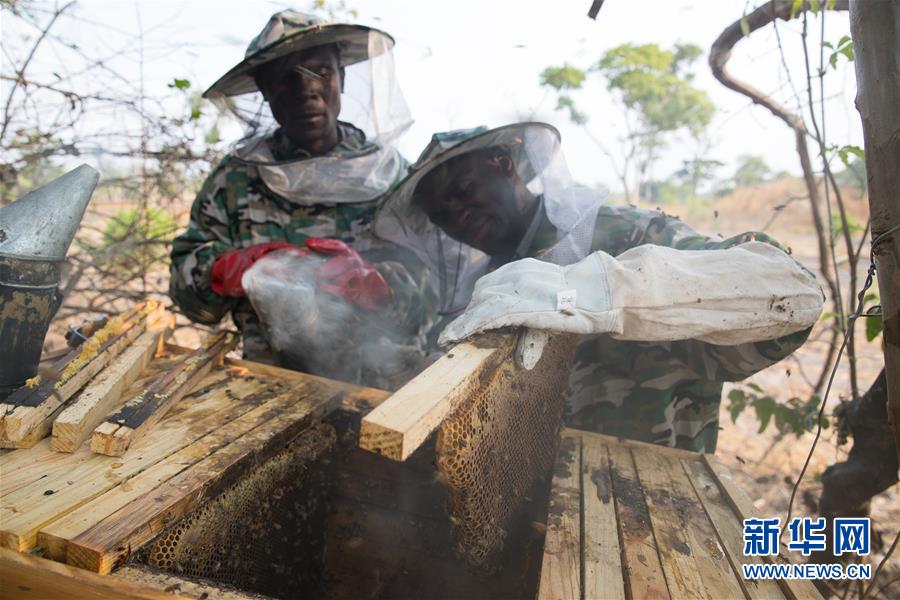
<point>35,233</point>
<point>42,224</point>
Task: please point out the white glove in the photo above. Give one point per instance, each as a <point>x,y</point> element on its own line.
<point>748,293</point>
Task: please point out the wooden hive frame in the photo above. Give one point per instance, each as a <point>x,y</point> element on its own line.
<point>635,520</point>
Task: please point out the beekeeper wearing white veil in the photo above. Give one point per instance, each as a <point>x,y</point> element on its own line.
<point>322,112</point>
<point>667,314</point>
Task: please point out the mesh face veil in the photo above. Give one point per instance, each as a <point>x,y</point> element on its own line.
<point>539,162</point>
<point>371,104</point>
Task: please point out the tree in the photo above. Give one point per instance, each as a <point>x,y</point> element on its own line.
<point>751,170</point>
<point>653,87</point>
<point>874,27</point>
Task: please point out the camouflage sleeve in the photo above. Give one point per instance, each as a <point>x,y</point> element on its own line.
<point>195,251</point>
<point>621,228</point>
<point>413,301</point>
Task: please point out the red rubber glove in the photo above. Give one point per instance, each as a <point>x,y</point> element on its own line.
<point>229,268</point>
<point>347,275</point>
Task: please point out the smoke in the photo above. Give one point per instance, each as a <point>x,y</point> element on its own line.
<point>323,334</point>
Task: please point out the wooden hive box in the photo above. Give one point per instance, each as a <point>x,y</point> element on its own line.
<point>633,520</point>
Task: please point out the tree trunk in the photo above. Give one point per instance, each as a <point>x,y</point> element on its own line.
<point>874,26</point>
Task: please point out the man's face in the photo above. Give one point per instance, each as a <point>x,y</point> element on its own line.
<point>307,108</point>
<point>473,199</point>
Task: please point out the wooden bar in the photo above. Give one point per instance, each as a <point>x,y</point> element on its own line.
<point>693,561</point>
<point>105,545</point>
<point>561,568</point>
<point>28,414</point>
<point>796,589</point>
<point>405,420</point>
<point>75,423</point>
<point>602,554</point>
<point>28,509</point>
<point>729,529</point>
<point>30,577</point>
<point>640,556</point>
<point>139,414</point>
<point>54,538</point>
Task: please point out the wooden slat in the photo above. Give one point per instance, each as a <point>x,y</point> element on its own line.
<point>348,397</point>
<point>110,541</point>
<point>54,538</point>
<point>729,529</point>
<point>30,577</point>
<point>561,567</point>
<point>405,420</point>
<point>643,572</point>
<point>141,413</point>
<point>796,589</point>
<point>23,426</point>
<point>74,424</point>
<point>693,560</point>
<point>21,467</point>
<point>32,507</point>
<point>602,554</point>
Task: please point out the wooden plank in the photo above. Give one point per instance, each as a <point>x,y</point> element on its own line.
<point>561,565</point>
<point>101,396</point>
<point>109,542</point>
<point>610,440</point>
<point>693,560</point>
<point>602,554</point>
<point>729,528</point>
<point>21,467</point>
<point>30,577</point>
<point>141,413</point>
<point>352,398</point>
<point>32,507</point>
<point>405,420</point>
<point>796,589</point>
<point>27,417</point>
<point>643,571</point>
<point>54,538</point>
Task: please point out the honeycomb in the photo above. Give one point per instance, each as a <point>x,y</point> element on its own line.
<point>263,534</point>
<point>494,448</point>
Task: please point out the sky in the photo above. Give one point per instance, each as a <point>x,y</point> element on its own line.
<point>463,63</point>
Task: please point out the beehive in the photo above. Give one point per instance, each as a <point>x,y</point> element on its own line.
<point>634,520</point>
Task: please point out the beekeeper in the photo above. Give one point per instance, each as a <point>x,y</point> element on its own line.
<point>667,315</point>
<point>322,112</point>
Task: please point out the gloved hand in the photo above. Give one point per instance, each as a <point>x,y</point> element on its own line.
<point>347,275</point>
<point>230,267</point>
<point>748,293</point>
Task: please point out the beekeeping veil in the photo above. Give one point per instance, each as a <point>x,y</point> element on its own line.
<point>371,102</point>
<point>535,150</point>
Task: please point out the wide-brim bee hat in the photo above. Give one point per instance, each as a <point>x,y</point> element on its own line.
<point>290,31</point>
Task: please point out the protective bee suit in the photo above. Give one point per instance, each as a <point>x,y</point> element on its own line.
<point>668,314</point>
<point>269,191</point>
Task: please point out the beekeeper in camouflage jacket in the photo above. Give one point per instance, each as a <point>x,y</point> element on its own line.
<point>667,315</point>
<point>299,173</point>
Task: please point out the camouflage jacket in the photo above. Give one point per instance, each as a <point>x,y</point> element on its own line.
<point>665,393</point>
<point>235,209</point>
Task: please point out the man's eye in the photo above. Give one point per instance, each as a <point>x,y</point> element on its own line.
<point>324,71</point>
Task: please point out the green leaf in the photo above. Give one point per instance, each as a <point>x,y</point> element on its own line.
<point>737,403</point>
<point>755,387</point>
<point>814,6</point>
<point>196,113</point>
<point>764,406</point>
<point>745,26</point>
<point>796,5</point>
<point>874,325</point>
<point>180,84</point>
<point>844,153</point>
